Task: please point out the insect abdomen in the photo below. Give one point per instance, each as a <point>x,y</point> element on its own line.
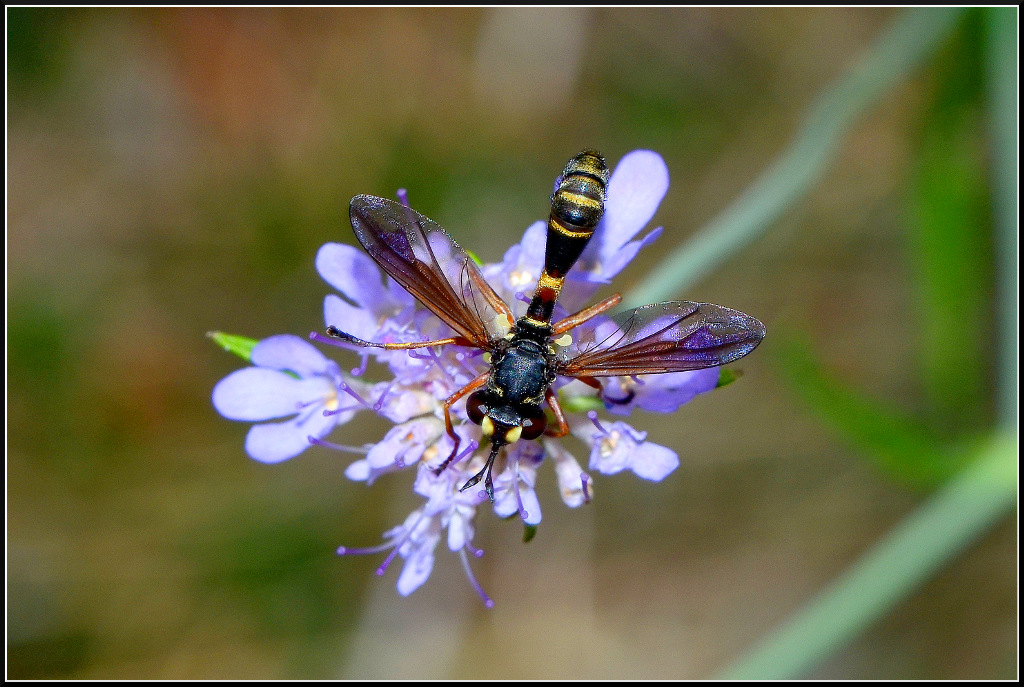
<point>577,206</point>
<point>578,203</point>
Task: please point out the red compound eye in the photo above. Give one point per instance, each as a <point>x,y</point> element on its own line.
<point>476,407</point>
<point>534,423</point>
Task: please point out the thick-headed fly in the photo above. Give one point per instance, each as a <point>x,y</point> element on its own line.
<point>506,401</point>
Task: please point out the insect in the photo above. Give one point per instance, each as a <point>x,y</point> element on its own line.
<point>506,401</point>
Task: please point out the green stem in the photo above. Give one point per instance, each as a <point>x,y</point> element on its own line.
<point>893,55</point>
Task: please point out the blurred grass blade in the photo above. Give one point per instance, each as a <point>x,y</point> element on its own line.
<point>897,443</point>
<point>890,58</point>
<point>950,226</point>
<point>908,555</point>
<point>1001,60</point>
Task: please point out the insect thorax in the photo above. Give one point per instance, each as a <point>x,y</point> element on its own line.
<point>521,371</point>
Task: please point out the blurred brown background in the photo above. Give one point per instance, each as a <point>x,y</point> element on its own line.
<point>172,172</point>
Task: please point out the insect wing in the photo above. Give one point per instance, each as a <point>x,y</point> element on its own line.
<point>665,337</point>
<point>420,255</point>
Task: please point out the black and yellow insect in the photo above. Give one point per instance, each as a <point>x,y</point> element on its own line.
<point>506,401</point>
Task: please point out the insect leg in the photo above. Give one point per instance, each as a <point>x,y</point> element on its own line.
<point>348,338</point>
<point>572,321</point>
<point>477,382</point>
<point>563,427</point>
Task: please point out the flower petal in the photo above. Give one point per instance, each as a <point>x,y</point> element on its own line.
<point>415,572</point>
<point>418,551</point>
<point>521,266</point>
<point>570,475</point>
<point>359,471</point>
<point>256,393</point>
<point>274,442</point>
<point>359,322</point>
<point>654,462</point>
<point>459,532</point>
<point>351,272</point>
<point>288,352</point>
<point>404,444</point>
<point>614,260</point>
<point>400,404</point>
<point>636,188</point>
<point>437,489</point>
<point>531,505</point>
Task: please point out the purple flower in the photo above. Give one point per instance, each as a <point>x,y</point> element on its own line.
<point>573,482</point>
<point>404,444</point>
<point>416,538</point>
<point>415,541</point>
<point>620,447</point>
<point>290,377</point>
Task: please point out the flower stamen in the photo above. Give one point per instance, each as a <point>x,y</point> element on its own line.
<point>470,447</point>
<point>437,361</point>
<point>462,358</point>
<point>387,390</point>
<point>383,568</point>
<point>336,411</point>
<point>364,360</point>
<point>361,450</point>
<point>343,386</point>
<point>488,602</point>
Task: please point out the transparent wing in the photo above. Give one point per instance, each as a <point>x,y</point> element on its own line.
<point>420,255</point>
<point>665,337</point>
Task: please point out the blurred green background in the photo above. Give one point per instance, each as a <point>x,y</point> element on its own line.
<point>172,172</point>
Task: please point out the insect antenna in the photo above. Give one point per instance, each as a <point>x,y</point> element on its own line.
<point>485,473</point>
<point>349,339</point>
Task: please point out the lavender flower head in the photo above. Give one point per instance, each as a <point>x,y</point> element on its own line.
<point>297,396</point>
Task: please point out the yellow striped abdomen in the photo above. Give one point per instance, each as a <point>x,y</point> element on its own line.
<point>577,206</point>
